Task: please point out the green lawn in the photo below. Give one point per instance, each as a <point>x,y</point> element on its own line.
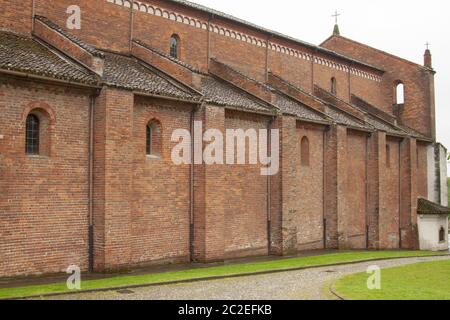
<point>225,270</point>
<point>422,281</point>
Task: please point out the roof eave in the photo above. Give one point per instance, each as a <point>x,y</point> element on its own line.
<point>272,33</point>
<point>49,79</point>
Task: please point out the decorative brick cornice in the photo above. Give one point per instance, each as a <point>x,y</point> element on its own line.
<point>240,36</point>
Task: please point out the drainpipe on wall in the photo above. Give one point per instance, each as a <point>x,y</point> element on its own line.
<point>131,25</point>
<point>91,183</point>
<point>368,136</point>
<point>33,13</point>
<point>349,75</point>
<point>269,189</point>
<point>324,169</point>
<point>313,57</point>
<point>267,58</point>
<point>400,244</point>
<point>208,42</point>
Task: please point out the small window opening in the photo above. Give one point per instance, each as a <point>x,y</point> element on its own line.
<point>174,46</point>
<point>32,135</point>
<point>333,86</point>
<point>399,94</point>
<point>153,137</point>
<point>305,161</point>
<point>442,234</point>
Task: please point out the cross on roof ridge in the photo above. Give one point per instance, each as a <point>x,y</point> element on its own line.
<point>336,15</point>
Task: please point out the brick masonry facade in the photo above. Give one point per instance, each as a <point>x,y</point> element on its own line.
<point>358,188</point>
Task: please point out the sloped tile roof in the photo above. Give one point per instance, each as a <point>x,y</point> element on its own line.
<point>129,73</point>
<point>23,54</point>
<point>225,94</point>
<point>344,119</point>
<point>337,115</point>
<point>167,56</point>
<point>384,126</point>
<point>414,133</point>
<point>382,120</point>
<point>427,207</point>
<point>69,36</point>
<point>289,106</point>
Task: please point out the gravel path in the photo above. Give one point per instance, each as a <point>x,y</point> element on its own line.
<point>293,285</point>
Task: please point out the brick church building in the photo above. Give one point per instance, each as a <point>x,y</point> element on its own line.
<point>91,91</point>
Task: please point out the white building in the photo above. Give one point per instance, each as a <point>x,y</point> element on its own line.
<point>433,226</point>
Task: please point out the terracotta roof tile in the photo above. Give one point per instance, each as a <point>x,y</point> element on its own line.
<point>383,126</point>
<point>23,54</point>
<point>167,56</point>
<point>343,118</point>
<point>428,207</point>
<point>129,73</point>
<point>69,36</point>
<point>289,106</point>
<point>225,94</point>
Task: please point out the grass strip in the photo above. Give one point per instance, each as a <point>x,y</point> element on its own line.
<point>202,273</point>
<point>421,281</point>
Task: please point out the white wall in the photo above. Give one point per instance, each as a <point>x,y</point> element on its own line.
<point>431,175</point>
<point>437,174</point>
<point>443,165</point>
<point>429,226</point>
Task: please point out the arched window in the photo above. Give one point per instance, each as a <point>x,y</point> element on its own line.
<point>153,136</point>
<point>399,93</point>
<point>32,132</point>
<point>304,152</point>
<point>388,156</point>
<point>442,234</point>
<point>333,86</point>
<point>174,46</point>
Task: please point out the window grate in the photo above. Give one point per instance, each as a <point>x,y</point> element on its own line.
<point>32,135</point>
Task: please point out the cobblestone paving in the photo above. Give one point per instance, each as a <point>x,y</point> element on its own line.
<point>308,284</point>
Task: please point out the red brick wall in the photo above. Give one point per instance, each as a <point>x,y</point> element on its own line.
<point>156,32</point>
<point>246,197</point>
<point>16,16</point>
<point>286,193</point>
<point>62,43</point>
<point>331,158</point>
<point>252,65</point>
<point>103,24</point>
<point>113,154</point>
<point>160,191</point>
<point>417,80</point>
<point>376,145</point>
<point>108,26</point>
<point>322,78</point>
<point>210,190</point>
<point>389,194</point>
<point>422,185</point>
<point>296,71</point>
<point>141,207</point>
<point>43,199</point>
<point>352,201</point>
<point>370,91</point>
<point>276,193</point>
<point>308,187</point>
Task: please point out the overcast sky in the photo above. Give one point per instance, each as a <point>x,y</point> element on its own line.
<point>401,27</point>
